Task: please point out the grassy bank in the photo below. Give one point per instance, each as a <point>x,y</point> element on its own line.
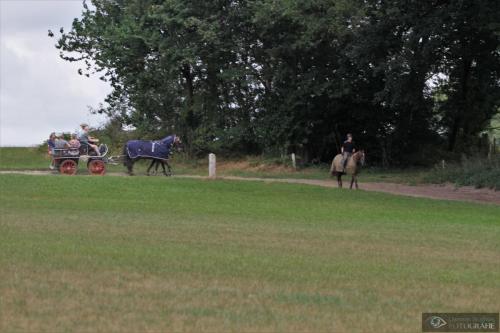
<point>472,172</point>
<point>157,254</point>
<point>252,166</point>
<point>16,158</point>
<point>479,172</point>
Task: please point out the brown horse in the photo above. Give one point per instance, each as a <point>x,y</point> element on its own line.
<point>354,164</point>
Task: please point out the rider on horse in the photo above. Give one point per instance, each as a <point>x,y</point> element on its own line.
<point>347,150</point>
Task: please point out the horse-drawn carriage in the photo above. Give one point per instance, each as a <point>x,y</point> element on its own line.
<point>66,160</point>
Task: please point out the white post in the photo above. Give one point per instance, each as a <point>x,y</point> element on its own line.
<point>294,163</point>
<point>211,165</point>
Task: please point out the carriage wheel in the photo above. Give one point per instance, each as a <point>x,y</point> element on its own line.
<point>68,167</point>
<point>96,167</point>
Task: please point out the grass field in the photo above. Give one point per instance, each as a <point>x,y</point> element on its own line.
<point>156,254</point>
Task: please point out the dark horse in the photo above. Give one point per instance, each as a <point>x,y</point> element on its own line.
<point>354,164</point>
<point>158,152</point>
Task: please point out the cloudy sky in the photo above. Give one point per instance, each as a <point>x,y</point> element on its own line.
<point>39,92</point>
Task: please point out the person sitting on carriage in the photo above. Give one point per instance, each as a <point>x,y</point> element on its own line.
<point>51,143</point>
<point>85,139</point>
<point>60,142</point>
<point>74,143</point>
<point>347,150</point>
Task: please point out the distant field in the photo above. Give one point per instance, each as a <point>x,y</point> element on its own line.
<point>12,158</point>
<point>35,159</point>
<point>156,254</point>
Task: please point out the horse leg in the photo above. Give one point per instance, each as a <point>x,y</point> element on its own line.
<point>163,167</point>
<point>127,161</point>
<point>352,181</point>
<point>356,182</point>
<point>169,169</point>
<point>150,166</point>
<point>130,166</point>
<point>157,163</point>
<point>339,179</point>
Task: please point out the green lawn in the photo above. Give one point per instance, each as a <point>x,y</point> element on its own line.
<point>157,254</point>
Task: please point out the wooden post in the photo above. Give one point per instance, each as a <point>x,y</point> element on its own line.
<point>211,165</point>
<point>294,162</point>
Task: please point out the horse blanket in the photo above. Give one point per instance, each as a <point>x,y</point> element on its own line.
<point>159,149</point>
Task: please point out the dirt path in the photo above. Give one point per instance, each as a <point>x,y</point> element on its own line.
<point>444,192</point>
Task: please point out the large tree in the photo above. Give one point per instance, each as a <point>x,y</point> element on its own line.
<point>289,75</point>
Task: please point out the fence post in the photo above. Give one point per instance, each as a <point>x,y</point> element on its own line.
<point>294,162</point>
<point>211,165</point>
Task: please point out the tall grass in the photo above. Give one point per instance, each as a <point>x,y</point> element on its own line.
<point>479,172</point>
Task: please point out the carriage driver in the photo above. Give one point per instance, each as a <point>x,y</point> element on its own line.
<point>84,138</point>
<point>347,150</point>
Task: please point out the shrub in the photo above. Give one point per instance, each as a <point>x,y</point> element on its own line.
<point>479,172</point>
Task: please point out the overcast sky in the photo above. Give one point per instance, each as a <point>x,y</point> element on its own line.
<point>39,92</point>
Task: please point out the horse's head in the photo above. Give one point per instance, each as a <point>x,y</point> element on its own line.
<point>174,142</point>
<point>177,144</point>
<point>360,158</point>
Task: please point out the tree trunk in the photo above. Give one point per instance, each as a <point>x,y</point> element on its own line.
<point>188,114</point>
<point>458,122</point>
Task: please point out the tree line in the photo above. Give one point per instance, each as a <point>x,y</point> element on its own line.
<point>410,79</point>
